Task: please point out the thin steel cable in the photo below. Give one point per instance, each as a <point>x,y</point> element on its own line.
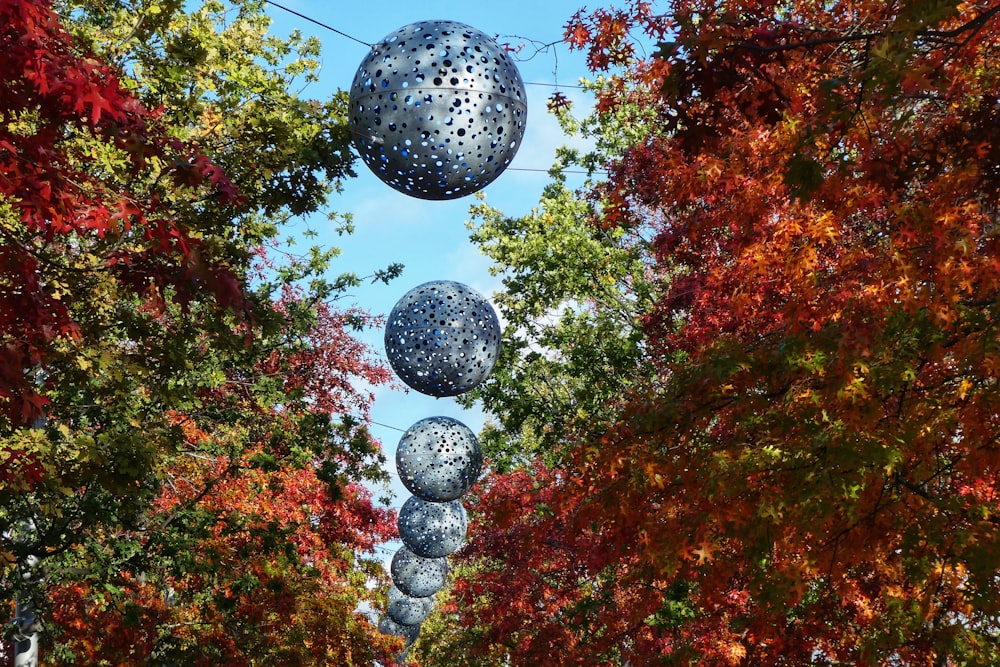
<point>319,23</point>
<point>394,428</point>
<point>370,45</point>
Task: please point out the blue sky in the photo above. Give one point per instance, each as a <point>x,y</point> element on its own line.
<point>430,237</point>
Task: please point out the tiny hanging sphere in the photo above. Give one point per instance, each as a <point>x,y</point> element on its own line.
<point>388,626</point>
<point>416,576</point>
<point>437,110</point>
<point>408,610</point>
<point>432,530</point>
<point>438,459</point>
<point>442,338</point>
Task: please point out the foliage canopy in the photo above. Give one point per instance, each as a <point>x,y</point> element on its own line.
<point>183,435</point>
<point>803,467</point>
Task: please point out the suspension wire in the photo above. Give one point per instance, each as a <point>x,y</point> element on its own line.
<point>545,171</point>
<point>553,85</point>
<point>319,23</point>
<point>370,45</point>
<point>394,428</point>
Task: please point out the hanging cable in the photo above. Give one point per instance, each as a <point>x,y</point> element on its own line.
<point>545,171</point>
<point>370,45</point>
<point>319,23</point>
<point>394,428</point>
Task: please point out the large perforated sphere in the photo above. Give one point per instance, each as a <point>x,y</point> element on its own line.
<point>388,626</point>
<point>432,530</point>
<point>408,610</point>
<point>437,110</point>
<point>438,459</point>
<point>442,338</point>
<point>416,576</point>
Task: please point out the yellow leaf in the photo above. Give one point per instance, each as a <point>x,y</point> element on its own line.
<point>963,388</point>
<point>704,552</point>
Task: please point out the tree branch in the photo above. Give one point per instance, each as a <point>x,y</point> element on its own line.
<point>974,25</point>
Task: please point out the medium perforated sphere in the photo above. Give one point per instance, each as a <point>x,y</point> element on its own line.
<point>388,626</point>
<point>437,110</point>
<point>432,530</point>
<point>438,459</point>
<point>408,610</point>
<point>442,338</point>
<point>416,576</point>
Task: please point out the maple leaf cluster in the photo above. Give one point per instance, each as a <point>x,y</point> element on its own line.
<point>238,565</point>
<point>810,475</point>
<point>58,212</point>
<point>183,428</point>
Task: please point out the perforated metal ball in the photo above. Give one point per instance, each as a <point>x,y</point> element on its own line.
<point>442,338</point>
<point>438,459</point>
<point>388,626</point>
<point>416,576</point>
<point>432,530</point>
<point>437,110</point>
<point>406,609</point>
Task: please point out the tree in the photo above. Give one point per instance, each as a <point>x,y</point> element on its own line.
<point>171,381</point>
<point>106,216</point>
<point>810,476</point>
<point>69,130</point>
<point>259,545</point>
<point>571,302</point>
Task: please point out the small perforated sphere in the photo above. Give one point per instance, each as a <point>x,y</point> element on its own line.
<point>388,626</point>
<point>408,610</point>
<point>437,110</point>
<point>442,338</point>
<point>416,576</point>
<point>432,530</point>
<point>438,459</point>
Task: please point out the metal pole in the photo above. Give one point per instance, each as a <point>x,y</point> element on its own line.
<point>25,650</point>
<point>25,639</point>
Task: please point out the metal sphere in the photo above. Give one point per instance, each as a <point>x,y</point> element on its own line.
<point>432,530</point>
<point>437,110</point>
<point>416,576</point>
<point>438,459</point>
<point>442,338</point>
<point>388,626</point>
<point>408,610</point>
